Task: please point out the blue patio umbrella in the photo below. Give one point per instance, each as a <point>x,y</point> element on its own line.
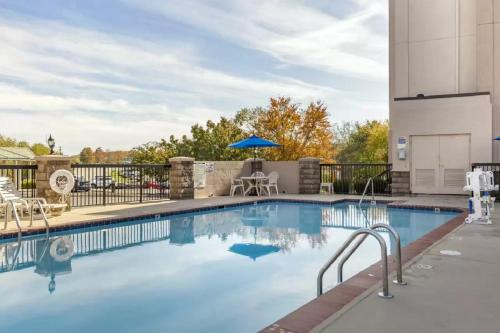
<point>253,142</point>
<point>253,250</point>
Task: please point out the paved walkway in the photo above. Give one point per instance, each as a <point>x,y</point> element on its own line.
<point>452,287</point>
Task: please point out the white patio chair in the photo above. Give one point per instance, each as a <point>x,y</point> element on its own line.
<point>236,184</point>
<point>270,183</point>
<point>9,192</point>
<point>327,186</point>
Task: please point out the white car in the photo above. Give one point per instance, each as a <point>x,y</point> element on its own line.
<point>102,181</point>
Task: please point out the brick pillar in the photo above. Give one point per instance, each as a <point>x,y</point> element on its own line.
<point>309,175</point>
<point>181,178</point>
<point>400,182</point>
<point>47,164</point>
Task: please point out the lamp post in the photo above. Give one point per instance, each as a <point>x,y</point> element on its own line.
<point>52,143</point>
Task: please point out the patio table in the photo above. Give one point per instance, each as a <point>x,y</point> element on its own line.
<point>253,182</point>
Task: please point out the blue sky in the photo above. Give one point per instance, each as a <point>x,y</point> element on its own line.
<point>119,73</point>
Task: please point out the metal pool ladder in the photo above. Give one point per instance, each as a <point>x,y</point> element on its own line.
<point>383,253</point>
<point>31,206</point>
<point>373,202</point>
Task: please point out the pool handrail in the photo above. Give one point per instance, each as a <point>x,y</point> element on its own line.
<point>397,239</point>
<point>373,202</point>
<point>383,253</point>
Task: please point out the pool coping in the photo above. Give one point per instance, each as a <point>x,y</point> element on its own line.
<point>312,314</point>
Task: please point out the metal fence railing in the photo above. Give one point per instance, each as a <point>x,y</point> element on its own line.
<point>102,184</point>
<point>23,176</point>
<point>352,178</point>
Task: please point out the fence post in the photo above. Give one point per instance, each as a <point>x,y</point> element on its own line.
<point>309,175</point>
<point>46,165</point>
<point>104,186</point>
<point>181,178</point>
<point>141,186</point>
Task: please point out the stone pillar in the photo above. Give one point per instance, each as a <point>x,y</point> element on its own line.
<point>400,182</point>
<point>47,164</point>
<point>181,178</point>
<point>309,175</point>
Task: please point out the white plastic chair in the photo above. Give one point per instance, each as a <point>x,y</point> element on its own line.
<point>9,192</point>
<point>271,183</point>
<point>236,184</point>
<point>327,186</point>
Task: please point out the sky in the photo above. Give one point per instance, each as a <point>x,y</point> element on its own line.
<point>119,73</point>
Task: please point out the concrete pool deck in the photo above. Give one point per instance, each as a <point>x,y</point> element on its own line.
<point>452,287</point>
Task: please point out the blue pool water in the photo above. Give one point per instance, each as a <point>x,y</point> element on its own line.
<point>230,270</point>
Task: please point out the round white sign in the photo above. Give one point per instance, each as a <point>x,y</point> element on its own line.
<point>62,181</point>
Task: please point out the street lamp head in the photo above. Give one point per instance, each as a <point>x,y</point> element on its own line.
<point>52,143</point>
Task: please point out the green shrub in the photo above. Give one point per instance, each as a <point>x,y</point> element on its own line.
<point>359,186</point>
<point>28,184</point>
<point>341,186</point>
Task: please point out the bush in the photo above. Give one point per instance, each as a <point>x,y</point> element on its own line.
<point>359,186</point>
<point>28,184</point>
<point>341,186</point>
<point>380,185</point>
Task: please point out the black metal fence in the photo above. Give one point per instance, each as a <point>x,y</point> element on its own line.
<point>102,184</point>
<point>23,176</point>
<point>352,178</point>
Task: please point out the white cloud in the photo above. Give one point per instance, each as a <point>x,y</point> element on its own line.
<point>291,31</point>
<point>59,71</point>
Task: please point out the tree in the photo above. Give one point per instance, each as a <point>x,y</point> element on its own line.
<point>299,132</point>
<point>209,142</point>
<point>362,142</point>
<point>40,149</point>
<point>100,155</point>
<point>37,148</point>
<point>87,155</point>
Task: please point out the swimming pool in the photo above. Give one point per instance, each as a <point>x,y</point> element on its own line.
<point>235,269</point>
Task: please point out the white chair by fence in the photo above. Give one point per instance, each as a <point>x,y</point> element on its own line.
<point>9,193</point>
<point>326,186</point>
<point>236,184</point>
<point>270,183</point>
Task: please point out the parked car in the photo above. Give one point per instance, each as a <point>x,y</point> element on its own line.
<point>130,173</point>
<point>152,184</point>
<point>103,182</point>
<point>164,185</point>
<point>81,184</point>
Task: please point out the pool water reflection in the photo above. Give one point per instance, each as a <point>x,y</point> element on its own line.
<point>230,270</point>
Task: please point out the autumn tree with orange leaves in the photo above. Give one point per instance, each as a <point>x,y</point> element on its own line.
<point>300,131</point>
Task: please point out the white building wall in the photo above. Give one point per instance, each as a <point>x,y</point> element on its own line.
<point>445,47</point>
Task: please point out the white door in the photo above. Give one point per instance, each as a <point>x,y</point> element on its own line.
<point>454,162</point>
<point>439,163</point>
<point>425,164</point>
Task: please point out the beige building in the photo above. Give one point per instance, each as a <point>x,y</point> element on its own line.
<point>444,91</point>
